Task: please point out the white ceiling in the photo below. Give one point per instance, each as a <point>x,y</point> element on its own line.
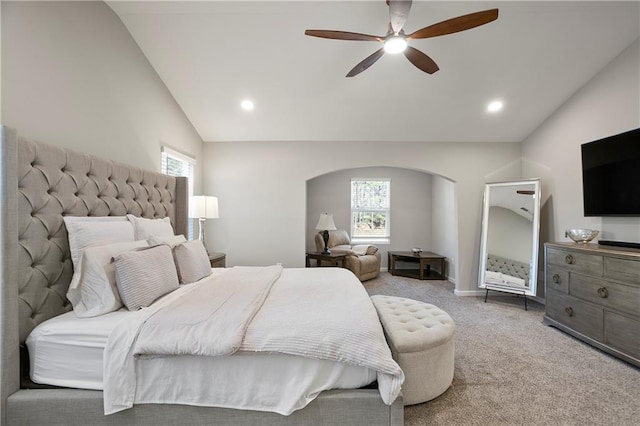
<point>213,54</point>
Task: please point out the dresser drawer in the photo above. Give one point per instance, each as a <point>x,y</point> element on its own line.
<point>621,297</point>
<point>622,270</point>
<point>557,279</point>
<point>581,316</point>
<point>622,333</point>
<point>573,261</point>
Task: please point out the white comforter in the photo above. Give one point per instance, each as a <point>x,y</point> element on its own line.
<point>245,309</point>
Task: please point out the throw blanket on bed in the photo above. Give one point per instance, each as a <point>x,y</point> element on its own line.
<point>246,309</point>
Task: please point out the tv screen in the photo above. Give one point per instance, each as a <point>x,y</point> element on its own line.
<point>611,175</point>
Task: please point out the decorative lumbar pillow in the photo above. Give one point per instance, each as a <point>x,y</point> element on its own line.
<point>144,276</point>
<point>171,241</point>
<point>363,249</point>
<point>146,228</point>
<point>93,292</point>
<point>192,261</point>
<point>91,231</point>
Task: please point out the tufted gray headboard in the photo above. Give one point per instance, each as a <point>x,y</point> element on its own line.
<point>42,183</point>
<point>508,266</point>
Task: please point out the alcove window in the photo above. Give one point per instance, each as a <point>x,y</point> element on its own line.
<point>370,209</point>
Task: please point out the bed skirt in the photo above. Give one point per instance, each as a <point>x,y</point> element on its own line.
<point>81,407</point>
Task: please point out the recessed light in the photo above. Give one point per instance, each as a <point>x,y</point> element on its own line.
<point>247,105</point>
<point>495,106</point>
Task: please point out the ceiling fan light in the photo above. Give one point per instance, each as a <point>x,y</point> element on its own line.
<point>495,106</point>
<point>395,44</point>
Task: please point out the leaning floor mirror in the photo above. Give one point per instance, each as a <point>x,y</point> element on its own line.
<point>510,233</point>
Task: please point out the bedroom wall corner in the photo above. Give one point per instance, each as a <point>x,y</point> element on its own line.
<point>73,76</point>
<point>607,104</point>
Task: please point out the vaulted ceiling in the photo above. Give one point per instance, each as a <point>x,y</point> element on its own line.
<point>213,54</point>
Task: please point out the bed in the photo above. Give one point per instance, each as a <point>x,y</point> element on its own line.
<point>37,270</point>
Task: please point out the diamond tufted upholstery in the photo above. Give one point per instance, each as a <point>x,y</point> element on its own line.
<point>508,266</point>
<point>54,182</point>
<point>421,338</point>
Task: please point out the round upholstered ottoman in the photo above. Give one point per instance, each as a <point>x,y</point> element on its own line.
<point>420,336</point>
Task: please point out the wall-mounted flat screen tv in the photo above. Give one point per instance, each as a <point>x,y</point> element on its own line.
<point>611,175</point>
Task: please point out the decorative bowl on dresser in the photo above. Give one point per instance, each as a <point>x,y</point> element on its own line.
<point>593,293</point>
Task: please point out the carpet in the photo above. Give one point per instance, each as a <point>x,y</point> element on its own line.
<point>511,369</point>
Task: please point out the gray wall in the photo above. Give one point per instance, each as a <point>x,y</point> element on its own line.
<point>411,205</point>
<point>509,235</point>
<point>261,188</point>
<point>606,105</point>
<point>73,76</point>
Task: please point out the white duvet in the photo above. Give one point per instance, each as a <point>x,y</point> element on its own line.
<point>321,313</point>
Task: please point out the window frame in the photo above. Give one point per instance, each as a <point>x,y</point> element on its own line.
<point>386,210</point>
<point>190,163</point>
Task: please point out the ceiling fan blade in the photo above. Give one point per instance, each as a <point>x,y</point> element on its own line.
<point>366,63</point>
<point>398,12</point>
<point>455,25</point>
<point>420,60</point>
<point>342,35</point>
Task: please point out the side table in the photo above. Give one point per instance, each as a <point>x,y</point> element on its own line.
<point>332,258</point>
<point>431,266</point>
<point>217,260</point>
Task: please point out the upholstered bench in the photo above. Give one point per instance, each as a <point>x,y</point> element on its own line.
<point>421,339</point>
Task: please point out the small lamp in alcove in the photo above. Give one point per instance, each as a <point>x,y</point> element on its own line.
<point>325,223</point>
<point>203,207</point>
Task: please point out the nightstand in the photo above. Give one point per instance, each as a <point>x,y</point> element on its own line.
<point>217,260</point>
<point>333,258</point>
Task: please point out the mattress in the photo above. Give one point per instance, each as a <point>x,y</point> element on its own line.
<point>68,351</point>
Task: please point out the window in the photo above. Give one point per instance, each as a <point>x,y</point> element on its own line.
<point>370,205</point>
<point>177,164</point>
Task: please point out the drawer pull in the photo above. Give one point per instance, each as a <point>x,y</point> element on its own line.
<point>556,278</point>
<point>568,259</point>
<point>603,292</point>
<point>568,310</point>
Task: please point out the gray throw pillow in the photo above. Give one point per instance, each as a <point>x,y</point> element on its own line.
<point>144,276</point>
<point>192,261</point>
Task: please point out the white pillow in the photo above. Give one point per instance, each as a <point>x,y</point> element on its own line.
<point>146,228</point>
<point>171,241</point>
<point>91,231</point>
<point>93,292</point>
<point>192,261</point>
<point>360,249</point>
<point>144,276</point>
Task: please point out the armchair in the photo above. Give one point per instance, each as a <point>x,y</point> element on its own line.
<point>362,260</point>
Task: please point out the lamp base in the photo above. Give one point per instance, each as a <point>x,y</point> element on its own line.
<point>325,237</point>
<point>201,233</point>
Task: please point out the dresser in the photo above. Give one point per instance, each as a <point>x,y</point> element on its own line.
<point>593,293</point>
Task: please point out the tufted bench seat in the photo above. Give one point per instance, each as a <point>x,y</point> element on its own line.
<point>420,336</point>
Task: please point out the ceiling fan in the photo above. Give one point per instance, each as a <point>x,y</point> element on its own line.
<point>395,41</point>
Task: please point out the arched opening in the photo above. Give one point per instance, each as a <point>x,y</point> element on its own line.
<point>423,209</point>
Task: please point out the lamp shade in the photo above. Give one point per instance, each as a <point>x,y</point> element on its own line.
<point>203,206</point>
<point>325,223</point>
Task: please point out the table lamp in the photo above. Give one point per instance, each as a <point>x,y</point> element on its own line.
<point>203,207</point>
<point>325,223</point>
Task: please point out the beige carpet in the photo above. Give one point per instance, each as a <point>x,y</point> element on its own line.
<point>510,369</point>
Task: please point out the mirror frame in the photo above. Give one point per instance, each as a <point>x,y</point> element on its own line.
<point>533,266</point>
